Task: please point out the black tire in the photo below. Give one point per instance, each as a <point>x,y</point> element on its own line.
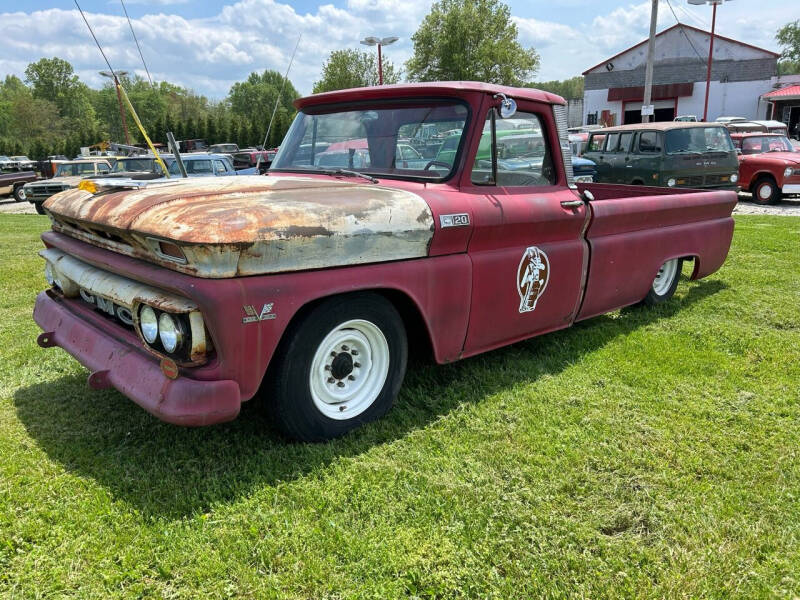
<point>18,197</point>
<point>661,291</point>
<point>297,410</point>
<point>39,207</point>
<point>766,191</point>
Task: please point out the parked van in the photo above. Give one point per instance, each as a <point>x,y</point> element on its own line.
<point>672,154</point>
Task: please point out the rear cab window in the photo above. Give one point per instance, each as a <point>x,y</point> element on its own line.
<point>596,143</point>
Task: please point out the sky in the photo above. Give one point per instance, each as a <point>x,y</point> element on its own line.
<point>207,46</point>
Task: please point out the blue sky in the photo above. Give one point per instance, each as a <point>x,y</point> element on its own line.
<point>209,45</point>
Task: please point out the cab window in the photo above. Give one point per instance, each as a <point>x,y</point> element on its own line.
<point>521,156</point>
<point>625,141</point>
<point>219,167</point>
<point>595,143</point>
<point>649,142</point>
<point>611,142</point>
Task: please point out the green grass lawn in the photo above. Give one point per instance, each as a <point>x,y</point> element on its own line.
<point>646,453</point>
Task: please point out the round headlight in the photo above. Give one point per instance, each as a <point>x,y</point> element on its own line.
<point>148,323</point>
<point>671,182</point>
<point>734,178</point>
<point>48,273</point>
<point>787,172</point>
<point>170,332</point>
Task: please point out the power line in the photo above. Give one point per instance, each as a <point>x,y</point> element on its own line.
<point>683,31</point>
<point>99,47</point>
<point>137,42</point>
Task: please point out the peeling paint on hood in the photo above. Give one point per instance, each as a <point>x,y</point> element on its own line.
<point>252,225</point>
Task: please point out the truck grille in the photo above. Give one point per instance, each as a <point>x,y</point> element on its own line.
<point>44,191</point>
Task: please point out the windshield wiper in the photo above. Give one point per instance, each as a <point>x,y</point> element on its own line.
<point>349,173</point>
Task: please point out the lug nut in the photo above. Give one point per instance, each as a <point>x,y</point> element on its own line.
<point>333,354</point>
<point>340,384</point>
<point>351,378</point>
<point>331,380</point>
<point>327,367</point>
<point>357,365</point>
<point>345,348</point>
<point>354,352</point>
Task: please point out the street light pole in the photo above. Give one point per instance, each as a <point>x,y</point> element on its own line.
<point>374,41</point>
<point>113,76</point>
<point>714,4</point>
<point>648,74</point>
<point>710,59</point>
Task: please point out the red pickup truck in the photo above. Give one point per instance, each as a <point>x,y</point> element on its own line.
<point>769,166</point>
<point>305,285</point>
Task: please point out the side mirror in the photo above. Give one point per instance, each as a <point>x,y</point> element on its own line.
<point>508,106</point>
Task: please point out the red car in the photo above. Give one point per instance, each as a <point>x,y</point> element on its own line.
<point>306,286</point>
<point>769,166</point>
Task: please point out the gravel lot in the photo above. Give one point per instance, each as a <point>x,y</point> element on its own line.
<point>788,208</point>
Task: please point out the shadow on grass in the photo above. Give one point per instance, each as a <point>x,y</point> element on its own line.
<point>172,472</point>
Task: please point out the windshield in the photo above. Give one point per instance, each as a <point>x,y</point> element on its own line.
<point>698,140</point>
<point>766,143</point>
<point>138,165</point>
<point>194,167</point>
<point>366,140</point>
<point>225,148</point>
<point>76,169</point>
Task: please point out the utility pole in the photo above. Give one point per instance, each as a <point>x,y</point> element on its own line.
<point>648,76</point>
<point>113,76</point>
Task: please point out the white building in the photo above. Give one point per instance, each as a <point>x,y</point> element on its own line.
<point>740,75</point>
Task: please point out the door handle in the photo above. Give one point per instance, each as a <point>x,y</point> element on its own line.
<point>571,203</point>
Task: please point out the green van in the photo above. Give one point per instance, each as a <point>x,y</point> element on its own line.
<point>671,154</point>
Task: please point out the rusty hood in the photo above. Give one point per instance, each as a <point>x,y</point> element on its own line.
<point>251,225</point>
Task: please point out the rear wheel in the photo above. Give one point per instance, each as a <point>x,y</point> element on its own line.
<point>766,191</point>
<point>341,366</point>
<point>19,194</point>
<point>665,283</point>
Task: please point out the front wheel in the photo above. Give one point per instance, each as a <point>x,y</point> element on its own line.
<point>19,194</point>
<point>665,283</point>
<point>340,366</point>
<point>39,207</point>
<point>766,191</point>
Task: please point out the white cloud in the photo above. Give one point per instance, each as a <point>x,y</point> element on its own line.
<point>209,54</point>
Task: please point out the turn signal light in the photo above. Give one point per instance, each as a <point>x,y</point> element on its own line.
<point>170,249</point>
<point>88,186</point>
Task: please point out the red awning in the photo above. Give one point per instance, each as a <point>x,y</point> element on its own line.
<point>665,91</point>
<point>784,93</point>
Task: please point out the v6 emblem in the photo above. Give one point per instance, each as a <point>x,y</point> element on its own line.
<point>251,315</point>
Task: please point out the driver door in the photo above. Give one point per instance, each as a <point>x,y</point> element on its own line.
<point>528,253</point>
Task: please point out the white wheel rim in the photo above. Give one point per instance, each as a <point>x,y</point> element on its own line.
<point>666,274</point>
<point>349,369</point>
<point>765,191</point>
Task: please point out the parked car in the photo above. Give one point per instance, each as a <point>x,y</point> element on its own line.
<point>729,119</point>
<point>68,175</point>
<point>672,154</point>
<point>195,145</point>
<point>746,127</point>
<point>185,296</point>
<point>12,183</point>
<point>21,163</point>
<point>769,166</point>
<point>249,158</point>
<point>583,169</point>
<point>775,126</point>
<point>223,148</point>
<point>5,162</point>
<point>686,119</point>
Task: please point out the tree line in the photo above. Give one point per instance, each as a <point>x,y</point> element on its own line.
<point>53,112</point>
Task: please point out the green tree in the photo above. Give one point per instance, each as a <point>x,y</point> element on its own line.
<point>568,88</point>
<point>353,68</point>
<point>54,80</point>
<point>788,38</point>
<point>254,98</point>
<point>470,40</point>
